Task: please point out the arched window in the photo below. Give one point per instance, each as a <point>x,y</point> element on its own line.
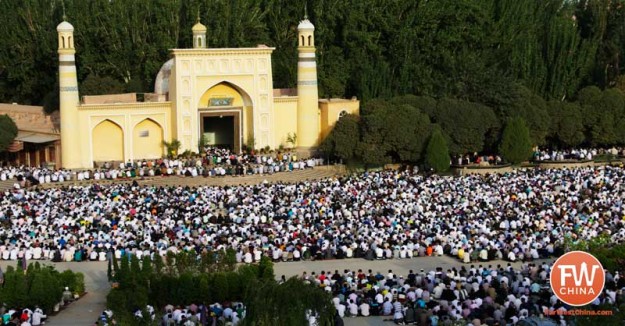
<point>69,42</point>
<point>342,114</point>
<point>309,40</point>
<point>302,41</point>
<point>199,42</point>
<point>63,41</point>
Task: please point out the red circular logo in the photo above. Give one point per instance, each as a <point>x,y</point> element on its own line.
<point>577,278</point>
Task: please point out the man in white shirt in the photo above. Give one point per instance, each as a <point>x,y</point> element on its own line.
<point>37,317</point>
<point>364,309</point>
<point>353,308</point>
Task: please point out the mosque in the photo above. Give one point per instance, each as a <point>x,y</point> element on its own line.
<point>224,95</point>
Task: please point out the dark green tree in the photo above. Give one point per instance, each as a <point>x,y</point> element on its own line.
<point>344,138</point>
<point>516,145</point>
<point>567,124</point>
<point>465,123</point>
<point>97,85</point>
<point>400,130</point>
<point>8,132</point>
<point>437,153</point>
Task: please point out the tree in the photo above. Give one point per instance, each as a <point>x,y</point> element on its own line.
<point>516,145</point>
<point>567,126</point>
<point>466,134</point>
<point>270,303</point>
<point>291,138</point>
<point>398,132</point>
<point>344,138</point>
<point>8,132</point>
<point>97,85</point>
<point>172,147</point>
<point>437,153</point>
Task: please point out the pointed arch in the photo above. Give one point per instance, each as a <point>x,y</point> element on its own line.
<point>147,140</point>
<point>242,95</point>
<point>310,40</point>
<point>107,141</point>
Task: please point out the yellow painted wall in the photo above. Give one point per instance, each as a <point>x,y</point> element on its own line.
<point>247,70</point>
<point>285,119</point>
<point>126,116</point>
<point>330,111</point>
<point>221,91</point>
<point>147,147</point>
<point>108,142</point>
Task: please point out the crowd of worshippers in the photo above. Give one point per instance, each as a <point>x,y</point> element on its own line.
<point>522,215</point>
<point>474,295</point>
<point>575,154</point>
<point>22,317</point>
<point>213,163</point>
<point>228,313</point>
<point>476,159</point>
<point>27,316</point>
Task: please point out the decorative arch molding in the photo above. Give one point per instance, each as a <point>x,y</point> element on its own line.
<point>107,141</point>
<point>147,139</point>
<point>247,99</point>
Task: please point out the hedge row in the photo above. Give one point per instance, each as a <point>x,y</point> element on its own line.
<point>161,282</point>
<point>38,286</point>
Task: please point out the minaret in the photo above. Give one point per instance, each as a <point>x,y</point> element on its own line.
<point>199,35</point>
<point>68,97</point>
<point>308,97</point>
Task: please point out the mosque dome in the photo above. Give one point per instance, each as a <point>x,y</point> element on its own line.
<point>305,25</point>
<point>198,27</point>
<point>161,85</point>
<point>65,27</point>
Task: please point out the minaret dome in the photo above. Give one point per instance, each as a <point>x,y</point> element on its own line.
<point>199,35</point>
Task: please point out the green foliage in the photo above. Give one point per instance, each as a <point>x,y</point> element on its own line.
<point>567,124</point>
<point>437,153</point>
<point>398,132</point>
<point>291,138</point>
<point>516,145</point>
<point>201,143</point>
<point>172,147</point>
<point>96,85</point>
<point>344,138</point>
<point>8,131</point>
<point>39,286</point>
<point>471,50</point>
<point>254,285</point>
<point>466,134</point>
<point>269,303</point>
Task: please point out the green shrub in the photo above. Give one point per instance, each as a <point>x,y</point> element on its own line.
<point>437,153</point>
<point>516,145</point>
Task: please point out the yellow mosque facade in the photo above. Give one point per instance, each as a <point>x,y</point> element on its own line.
<point>224,95</point>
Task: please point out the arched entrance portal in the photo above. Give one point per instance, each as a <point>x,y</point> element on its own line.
<point>225,117</point>
<point>107,142</point>
<point>147,140</point>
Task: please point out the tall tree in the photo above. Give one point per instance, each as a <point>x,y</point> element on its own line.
<point>8,132</point>
<point>516,145</point>
<point>437,153</point>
